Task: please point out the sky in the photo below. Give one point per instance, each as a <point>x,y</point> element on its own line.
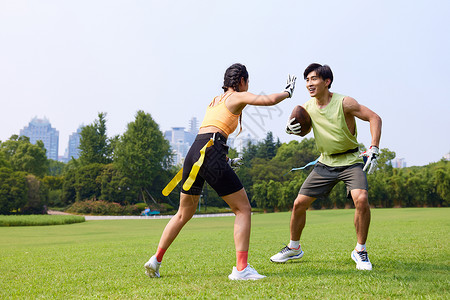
<point>69,60</point>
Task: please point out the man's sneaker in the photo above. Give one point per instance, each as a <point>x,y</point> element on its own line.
<point>362,260</point>
<point>249,273</point>
<point>286,254</point>
<point>152,267</point>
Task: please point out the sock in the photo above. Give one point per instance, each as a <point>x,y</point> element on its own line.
<point>294,245</point>
<point>241,260</point>
<point>360,247</point>
<point>160,254</point>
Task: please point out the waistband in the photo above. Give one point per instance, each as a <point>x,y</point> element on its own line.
<point>206,136</point>
<point>346,152</point>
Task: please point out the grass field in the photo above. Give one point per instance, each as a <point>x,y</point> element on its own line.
<point>409,249</point>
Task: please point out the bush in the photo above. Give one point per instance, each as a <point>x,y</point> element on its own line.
<point>39,220</point>
<point>103,208</point>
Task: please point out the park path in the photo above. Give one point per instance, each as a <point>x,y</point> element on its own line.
<point>88,218</point>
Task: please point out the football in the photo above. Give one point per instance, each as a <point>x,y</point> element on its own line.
<point>301,116</point>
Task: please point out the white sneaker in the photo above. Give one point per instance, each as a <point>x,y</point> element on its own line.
<point>286,254</point>
<point>152,267</point>
<point>249,273</point>
<point>362,260</point>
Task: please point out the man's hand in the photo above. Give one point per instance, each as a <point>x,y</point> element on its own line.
<point>235,163</point>
<point>293,128</point>
<point>290,85</point>
<point>372,156</point>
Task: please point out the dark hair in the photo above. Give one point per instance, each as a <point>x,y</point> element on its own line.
<point>323,72</point>
<point>233,76</point>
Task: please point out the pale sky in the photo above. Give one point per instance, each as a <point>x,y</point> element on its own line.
<point>69,60</point>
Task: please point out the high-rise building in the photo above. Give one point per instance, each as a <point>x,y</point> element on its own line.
<point>193,126</point>
<point>398,163</point>
<point>41,129</point>
<point>181,140</point>
<point>74,144</point>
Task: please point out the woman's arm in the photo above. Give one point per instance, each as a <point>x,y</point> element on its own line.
<point>239,100</point>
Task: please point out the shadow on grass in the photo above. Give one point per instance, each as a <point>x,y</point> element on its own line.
<point>411,271</point>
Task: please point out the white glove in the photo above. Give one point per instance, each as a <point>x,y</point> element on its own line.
<point>290,85</point>
<point>372,156</point>
<point>235,163</point>
<point>293,128</point>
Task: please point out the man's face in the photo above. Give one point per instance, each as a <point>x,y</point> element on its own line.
<point>315,85</point>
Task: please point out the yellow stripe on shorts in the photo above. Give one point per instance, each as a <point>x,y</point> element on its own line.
<point>192,175</point>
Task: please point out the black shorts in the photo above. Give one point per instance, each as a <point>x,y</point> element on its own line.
<point>214,170</point>
<point>323,178</point>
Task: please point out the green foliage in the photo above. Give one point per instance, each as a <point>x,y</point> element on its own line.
<point>100,207</point>
<point>37,196</point>
<point>115,187</point>
<point>388,187</point>
<point>143,155</point>
<point>94,144</point>
<point>3,160</point>
<point>53,182</point>
<point>68,193</point>
<point>87,184</point>
<point>24,156</point>
<point>39,220</point>
<point>13,191</point>
<point>56,168</point>
<point>267,148</point>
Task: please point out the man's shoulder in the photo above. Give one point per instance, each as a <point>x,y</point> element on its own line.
<point>338,96</point>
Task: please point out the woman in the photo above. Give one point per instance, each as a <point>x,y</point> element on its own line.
<point>207,161</point>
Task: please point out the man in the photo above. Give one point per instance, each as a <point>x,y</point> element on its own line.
<point>334,126</point>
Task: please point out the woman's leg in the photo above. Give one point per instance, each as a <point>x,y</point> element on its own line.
<point>188,205</point>
<point>240,205</point>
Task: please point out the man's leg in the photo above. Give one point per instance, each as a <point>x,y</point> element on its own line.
<point>362,214</point>
<point>362,222</point>
<point>298,216</point>
<point>298,220</point>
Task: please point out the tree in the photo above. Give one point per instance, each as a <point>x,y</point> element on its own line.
<point>87,182</point>
<point>3,160</point>
<point>13,191</point>
<point>24,156</point>
<point>115,187</point>
<point>260,195</point>
<point>94,144</point>
<point>56,168</point>
<point>143,155</point>
<point>68,193</point>
<point>37,196</point>
<point>268,148</point>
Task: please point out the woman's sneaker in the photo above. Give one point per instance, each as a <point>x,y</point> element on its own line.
<point>152,267</point>
<point>249,273</point>
<point>362,260</point>
<point>286,254</point>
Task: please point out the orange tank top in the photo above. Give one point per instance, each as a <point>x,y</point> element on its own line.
<point>218,115</point>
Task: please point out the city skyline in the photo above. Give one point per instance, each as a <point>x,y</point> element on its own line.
<point>180,139</point>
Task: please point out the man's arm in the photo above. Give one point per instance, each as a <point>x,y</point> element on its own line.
<point>353,109</point>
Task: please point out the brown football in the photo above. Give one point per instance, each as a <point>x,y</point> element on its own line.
<point>301,116</point>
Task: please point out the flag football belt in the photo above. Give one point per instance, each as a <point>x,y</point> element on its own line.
<point>346,152</point>
<point>194,171</point>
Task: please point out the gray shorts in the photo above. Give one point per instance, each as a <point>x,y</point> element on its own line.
<point>323,178</point>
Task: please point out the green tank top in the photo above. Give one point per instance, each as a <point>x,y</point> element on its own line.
<point>331,133</point>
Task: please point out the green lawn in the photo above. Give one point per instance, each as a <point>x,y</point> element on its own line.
<point>409,249</point>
